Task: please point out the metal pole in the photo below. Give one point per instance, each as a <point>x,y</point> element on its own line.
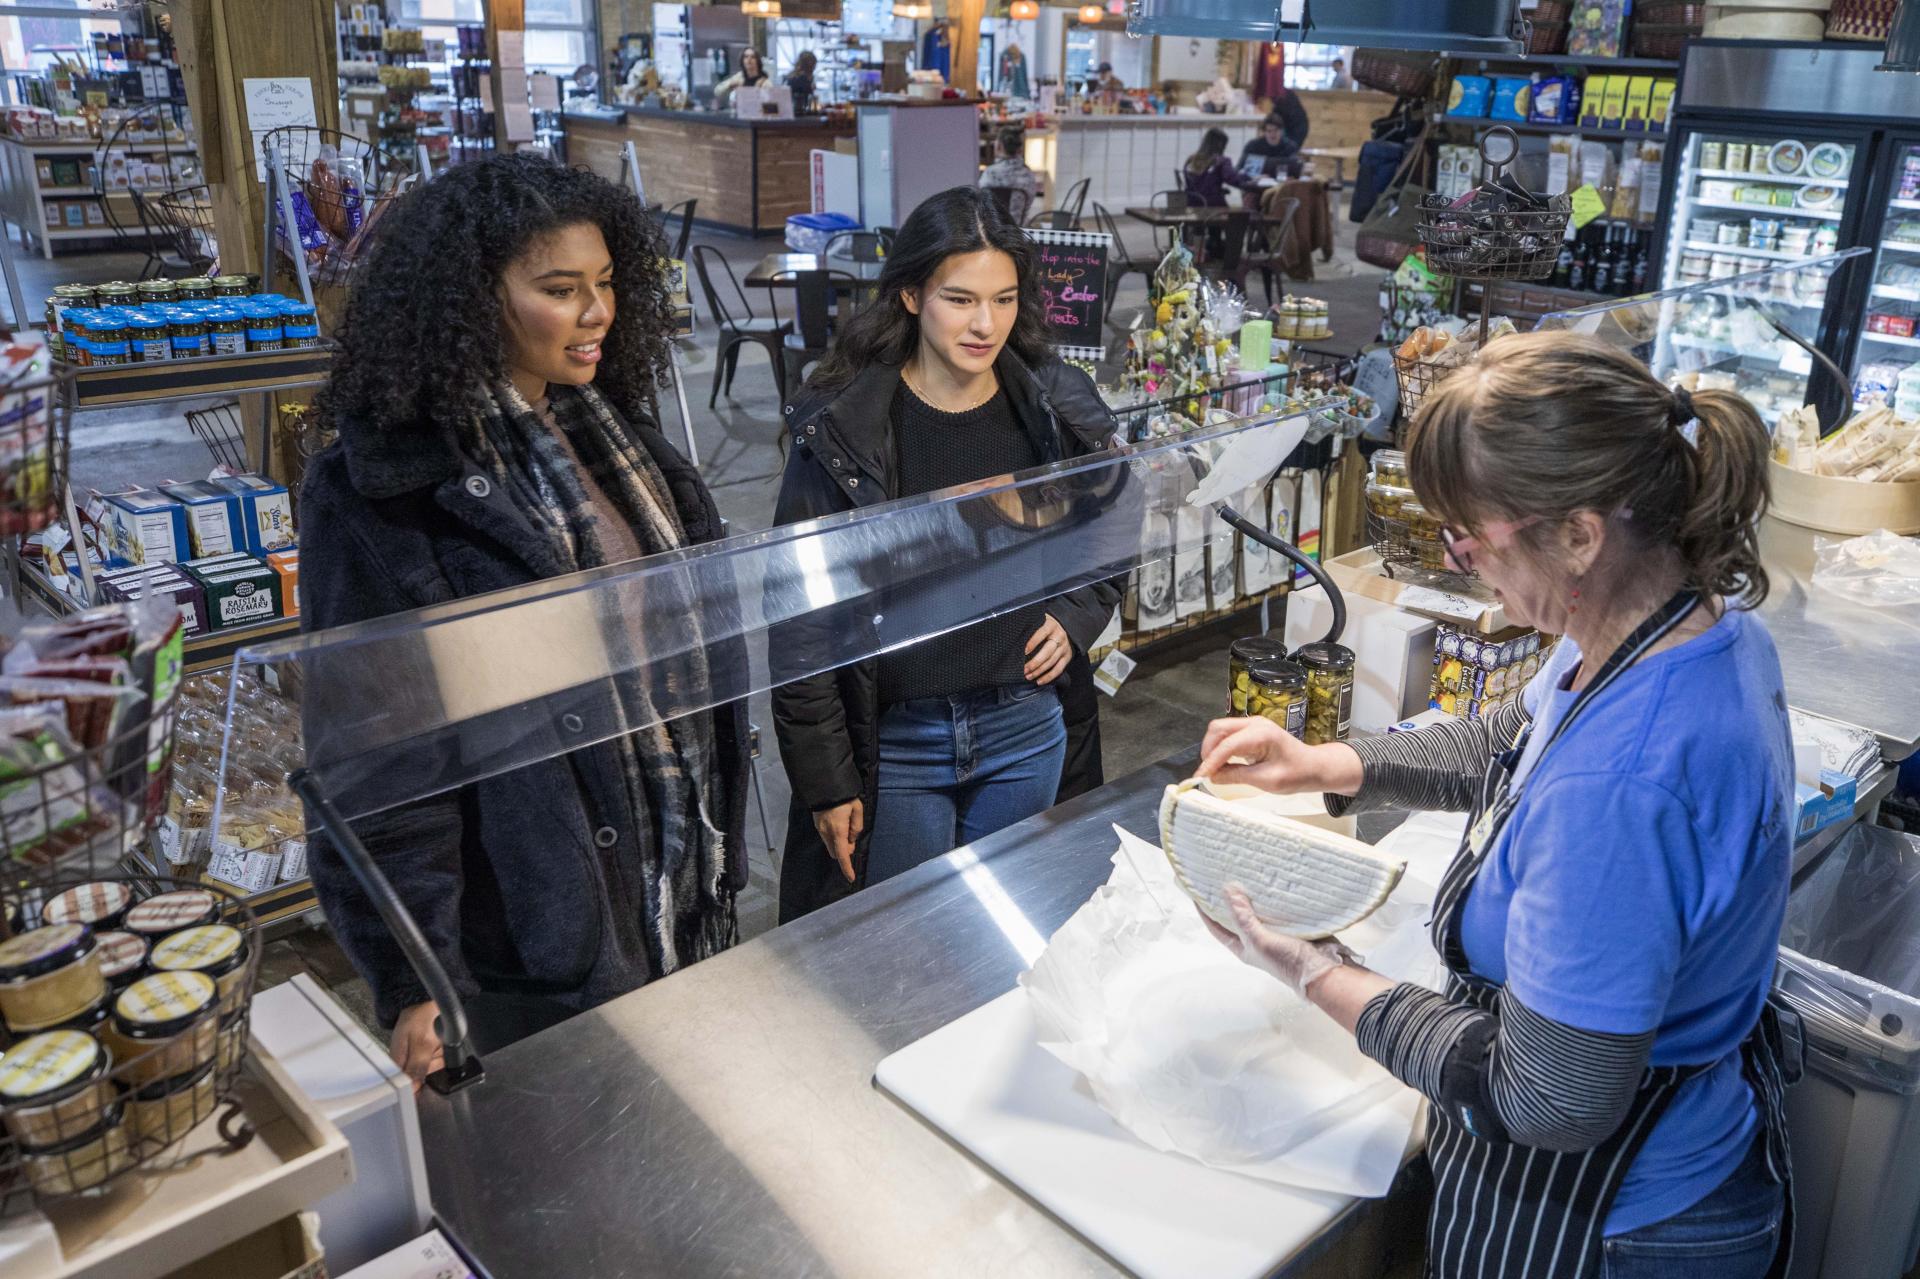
<point>277,173</point>
<point>680,395</point>
<point>20,318</point>
<point>630,171</point>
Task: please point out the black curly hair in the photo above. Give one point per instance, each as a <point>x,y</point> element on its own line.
<point>422,337</point>
<point>958,220</point>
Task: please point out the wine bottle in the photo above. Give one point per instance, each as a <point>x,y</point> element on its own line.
<point>1563,265</point>
<point>1642,262</point>
<point>1582,264</point>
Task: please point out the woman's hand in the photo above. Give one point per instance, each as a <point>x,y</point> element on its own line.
<point>1275,760</point>
<point>840,828</point>
<point>1048,652</point>
<point>1296,962</point>
<point>416,1046</point>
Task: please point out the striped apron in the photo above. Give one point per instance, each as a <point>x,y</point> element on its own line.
<point>1503,1210</point>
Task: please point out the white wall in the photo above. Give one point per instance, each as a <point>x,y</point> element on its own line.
<point>1182,58</point>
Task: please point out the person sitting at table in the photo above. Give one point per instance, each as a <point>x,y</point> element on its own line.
<point>1009,173</point>
<point>800,80</point>
<point>1277,147</point>
<point>1209,173</point>
<point>945,378</point>
<point>751,75</point>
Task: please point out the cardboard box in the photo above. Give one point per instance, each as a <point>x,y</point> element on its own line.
<point>1512,98</point>
<point>1821,806</point>
<point>1639,104</point>
<point>149,526</point>
<point>1660,107</point>
<point>268,512</point>
<point>241,597</point>
<point>1471,96</point>
<point>1592,100</point>
<point>214,517</point>
<point>1614,108</point>
<point>287,565</point>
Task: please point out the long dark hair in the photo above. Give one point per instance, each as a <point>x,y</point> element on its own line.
<point>759,63</point>
<point>1213,145</point>
<point>422,338</point>
<point>961,220</point>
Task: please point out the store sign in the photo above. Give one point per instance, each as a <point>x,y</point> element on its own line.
<point>1073,283</point>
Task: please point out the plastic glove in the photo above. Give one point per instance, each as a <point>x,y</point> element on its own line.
<point>1294,960</point>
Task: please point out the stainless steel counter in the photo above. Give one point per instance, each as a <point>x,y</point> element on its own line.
<point>1842,660</point>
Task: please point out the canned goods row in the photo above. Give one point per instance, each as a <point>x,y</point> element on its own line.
<point>93,336</point>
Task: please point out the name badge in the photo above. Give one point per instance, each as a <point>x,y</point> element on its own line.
<point>1483,830</point>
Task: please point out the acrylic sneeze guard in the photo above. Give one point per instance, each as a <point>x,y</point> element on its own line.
<point>416,704</point>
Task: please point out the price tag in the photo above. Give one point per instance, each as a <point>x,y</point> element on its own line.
<point>1587,205</point>
<point>1112,673</point>
<point>1424,599</point>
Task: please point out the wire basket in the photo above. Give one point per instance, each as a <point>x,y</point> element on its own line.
<point>112,1102</point>
<point>36,419</point>
<point>340,186</point>
<point>187,217</point>
<point>1417,377</point>
<point>1404,534</point>
<point>1494,233</point>
<point>219,427</point>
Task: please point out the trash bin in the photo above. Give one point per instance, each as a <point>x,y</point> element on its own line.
<point>1850,963</point>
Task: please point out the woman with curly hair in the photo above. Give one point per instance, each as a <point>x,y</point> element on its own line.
<point>501,347</point>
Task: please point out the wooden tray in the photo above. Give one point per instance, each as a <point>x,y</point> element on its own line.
<point>1361,573</point>
<point>1833,505</point>
<point>152,1224</point>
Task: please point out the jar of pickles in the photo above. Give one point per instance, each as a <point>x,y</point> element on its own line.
<point>76,336</point>
<point>187,327</point>
<point>1329,691</point>
<point>265,331</point>
<point>118,293</point>
<point>158,293</point>
<point>226,330</point>
<point>149,337</point>
<point>65,298</point>
<point>1278,690</point>
<point>301,324</point>
<point>231,286</point>
<point>109,335</point>
<point>195,288</point>
<point>1241,654</point>
<point>1401,530</point>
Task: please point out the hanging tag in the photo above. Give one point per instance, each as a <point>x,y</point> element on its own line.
<point>1112,673</point>
<point>1587,205</point>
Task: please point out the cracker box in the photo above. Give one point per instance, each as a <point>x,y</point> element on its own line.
<point>267,509</point>
<point>241,596</point>
<point>149,527</point>
<point>214,519</point>
<point>287,565</point>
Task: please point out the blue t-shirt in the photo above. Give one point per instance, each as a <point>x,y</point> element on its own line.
<point>1641,881</point>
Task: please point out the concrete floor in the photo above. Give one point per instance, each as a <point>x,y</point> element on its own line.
<point>1164,706</point>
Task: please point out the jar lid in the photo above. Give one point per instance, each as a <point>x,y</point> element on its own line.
<point>41,1065</point>
<point>221,314</point>
<point>170,912</point>
<point>1278,671</point>
<point>1325,655</point>
<point>203,949</point>
<point>120,953</point>
<point>160,1089</point>
<point>73,291</point>
<point>230,281</point>
<point>43,950</point>
<point>1253,648</point>
<point>162,1005</point>
<point>139,320</point>
<point>88,903</point>
<point>292,306</point>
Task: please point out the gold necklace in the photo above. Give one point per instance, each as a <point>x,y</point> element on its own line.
<point>928,400</point>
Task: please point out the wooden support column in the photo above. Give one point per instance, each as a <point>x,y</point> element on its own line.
<point>223,43</point>
<point>504,16</point>
<point>966,15</point>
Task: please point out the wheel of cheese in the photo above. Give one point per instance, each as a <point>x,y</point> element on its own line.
<point>1764,24</point>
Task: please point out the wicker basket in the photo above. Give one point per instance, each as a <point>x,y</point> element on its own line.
<point>1551,12</point>
<point>1547,37</point>
<point>1393,73</point>
<point>1866,20</point>
<point>1650,41</point>
<point>1670,13</point>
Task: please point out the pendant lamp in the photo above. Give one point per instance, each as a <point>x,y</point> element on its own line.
<point>1024,10</point>
<point>760,8</point>
<point>917,10</point>
<point>1092,15</point>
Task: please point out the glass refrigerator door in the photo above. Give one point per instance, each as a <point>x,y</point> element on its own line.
<point>1887,368</point>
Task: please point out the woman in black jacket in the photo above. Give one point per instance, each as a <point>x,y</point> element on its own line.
<point>500,350</point>
<point>946,378</point>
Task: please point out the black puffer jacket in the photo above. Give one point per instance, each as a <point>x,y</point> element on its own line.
<point>842,459</point>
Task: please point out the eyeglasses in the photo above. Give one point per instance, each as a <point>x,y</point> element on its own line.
<point>1460,547</point>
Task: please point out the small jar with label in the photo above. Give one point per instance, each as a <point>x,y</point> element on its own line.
<point>49,975</point>
<point>111,339</point>
<point>67,297</point>
<point>1329,691</point>
<point>118,293</point>
<point>94,1157</point>
<point>166,1110</point>
<point>226,330</point>
<point>265,328</point>
<point>1279,692</point>
<point>149,337</point>
<point>195,288</point>
<point>123,958</point>
<point>163,1026</point>
<point>98,905</point>
<point>300,324</point>
<point>218,951</point>
<point>1241,654</point>
<point>232,286</point>
<point>77,335</point>
<point>187,327</point>
<point>158,292</point>
<point>170,912</point>
<point>54,1087</point>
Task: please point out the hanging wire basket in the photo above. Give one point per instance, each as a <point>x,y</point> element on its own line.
<point>36,419</point>
<point>340,187</point>
<point>219,427</point>
<point>1494,232</point>
<point>1403,533</point>
<point>1418,376</point>
<point>187,217</point>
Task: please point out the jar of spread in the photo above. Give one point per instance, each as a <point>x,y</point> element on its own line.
<point>1241,654</point>
<point>149,337</point>
<point>123,958</point>
<point>107,327</point>
<point>49,975</point>
<point>98,905</point>
<point>231,286</point>
<point>187,327</point>
<point>233,1041</point>
<point>54,1087</point>
<point>195,288</point>
<point>163,1026</point>
<point>170,912</point>
<point>1279,692</point>
<point>226,330</point>
<point>218,951</point>
<point>83,1163</point>
<point>301,324</point>
<point>265,331</point>
<point>166,1110</point>
<point>1329,691</point>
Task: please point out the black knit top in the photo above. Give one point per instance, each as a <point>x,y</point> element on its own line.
<point>934,450</point>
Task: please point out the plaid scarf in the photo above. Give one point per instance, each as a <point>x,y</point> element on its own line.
<point>671,777</point>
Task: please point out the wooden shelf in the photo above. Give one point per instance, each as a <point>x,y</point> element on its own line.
<point>206,375</point>
<point>210,651</point>
<point>1483,122</point>
<point>1571,60</point>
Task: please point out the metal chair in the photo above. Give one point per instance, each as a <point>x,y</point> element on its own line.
<point>1228,240</point>
<point>114,157</point>
<point>1076,199</point>
<point>1120,260</point>
<point>736,332</point>
<point>814,315</point>
<point>685,209</point>
<point>867,247</point>
<point>1268,244</point>
<point>1054,220</point>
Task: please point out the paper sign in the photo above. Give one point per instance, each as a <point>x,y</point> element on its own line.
<point>513,48</point>
<point>544,89</point>
<point>518,118</point>
<point>1073,282</point>
<point>1112,673</point>
<point>1587,205</point>
<point>1424,599</point>
<point>274,103</point>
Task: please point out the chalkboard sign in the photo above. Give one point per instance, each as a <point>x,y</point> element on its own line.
<point>1073,282</point>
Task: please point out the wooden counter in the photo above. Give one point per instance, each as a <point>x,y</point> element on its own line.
<point>748,175</point>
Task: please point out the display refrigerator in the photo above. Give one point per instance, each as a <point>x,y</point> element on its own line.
<point>1784,153</point>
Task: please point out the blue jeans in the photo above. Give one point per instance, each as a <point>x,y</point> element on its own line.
<point>1731,1234</point>
<point>954,769</point>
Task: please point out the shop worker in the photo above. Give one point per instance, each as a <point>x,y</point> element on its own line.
<point>751,75</point>
<point>1604,1067</point>
<point>501,347</point>
<point>945,378</point>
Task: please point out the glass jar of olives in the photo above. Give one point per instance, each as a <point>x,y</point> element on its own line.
<point>1278,690</point>
<point>1241,654</point>
<point>1329,670</point>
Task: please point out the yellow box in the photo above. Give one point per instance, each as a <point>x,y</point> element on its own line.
<point>1661,108</point>
<point>1639,102</point>
<point>1613,108</point>
<point>1593,95</point>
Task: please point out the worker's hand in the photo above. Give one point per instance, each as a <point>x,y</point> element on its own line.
<point>416,1045</point>
<point>1296,962</point>
<point>1275,760</point>
<point>1048,652</point>
<point>840,828</point>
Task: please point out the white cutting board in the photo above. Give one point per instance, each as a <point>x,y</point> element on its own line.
<point>987,1084</point>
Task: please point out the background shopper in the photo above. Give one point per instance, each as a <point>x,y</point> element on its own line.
<point>1209,173</point>
<point>1600,1067</point>
<point>1009,172</point>
<point>1275,151</point>
<point>947,377</point>
<point>800,80</point>
<point>499,352</point>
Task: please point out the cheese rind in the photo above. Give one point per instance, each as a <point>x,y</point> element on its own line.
<point>1303,881</point>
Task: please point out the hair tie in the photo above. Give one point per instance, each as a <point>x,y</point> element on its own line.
<point>1681,411</point>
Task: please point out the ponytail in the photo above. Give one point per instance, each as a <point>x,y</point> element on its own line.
<point>1719,536</point>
